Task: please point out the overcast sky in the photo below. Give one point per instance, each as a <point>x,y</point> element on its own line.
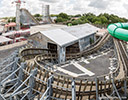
<point>118,7</point>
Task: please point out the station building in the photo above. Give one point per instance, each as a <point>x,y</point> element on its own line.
<point>66,40</point>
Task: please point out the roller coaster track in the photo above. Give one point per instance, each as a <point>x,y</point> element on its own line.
<point>88,88</point>
<point>27,13</point>
<point>31,17</point>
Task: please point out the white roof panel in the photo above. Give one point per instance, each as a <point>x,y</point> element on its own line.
<point>59,36</point>
<point>81,31</point>
<point>4,39</point>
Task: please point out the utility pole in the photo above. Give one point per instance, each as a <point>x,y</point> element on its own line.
<point>18,4</point>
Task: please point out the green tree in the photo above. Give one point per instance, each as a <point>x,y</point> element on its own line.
<point>60,19</point>
<point>77,21</point>
<point>78,15</point>
<point>37,15</point>
<point>95,18</point>
<point>53,15</point>
<point>103,19</point>
<point>83,18</point>
<point>85,21</point>
<point>39,18</point>
<point>63,15</point>
<point>14,19</point>
<point>98,22</point>
<point>11,19</point>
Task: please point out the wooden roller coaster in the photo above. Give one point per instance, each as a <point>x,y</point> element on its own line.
<point>63,87</point>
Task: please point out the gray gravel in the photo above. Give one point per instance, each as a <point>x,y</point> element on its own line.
<point>99,66</point>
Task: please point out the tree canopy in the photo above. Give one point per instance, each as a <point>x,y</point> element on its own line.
<point>102,19</point>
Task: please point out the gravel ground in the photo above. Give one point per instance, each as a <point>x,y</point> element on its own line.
<point>99,66</point>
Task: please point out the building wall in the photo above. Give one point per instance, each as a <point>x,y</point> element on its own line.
<point>43,40</point>
<point>86,41</point>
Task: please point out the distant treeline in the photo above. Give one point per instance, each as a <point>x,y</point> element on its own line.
<point>102,20</point>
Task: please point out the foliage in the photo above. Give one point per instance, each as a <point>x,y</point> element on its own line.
<point>11,19</point>
<point>102,19</point>
<point>37,15</point>
<point>63,15</point>
<point>60,19</point>
<point>39,18</point>
<point>53,15</point>
<point>78,15</point>
<point>77,21</point>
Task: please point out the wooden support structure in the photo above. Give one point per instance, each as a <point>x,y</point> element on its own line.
<point>41,81</point>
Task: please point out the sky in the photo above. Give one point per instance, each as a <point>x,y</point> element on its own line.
<point>118,7</point>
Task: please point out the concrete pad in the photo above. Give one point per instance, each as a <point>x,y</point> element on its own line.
<point>73,69</point>
<point>87,72</point>
<point>67,72</point>
<point>85,61</point>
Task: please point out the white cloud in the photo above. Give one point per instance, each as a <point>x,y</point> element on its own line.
<point>50,1</point>
<point>100,4</point>
<point>118,7</point>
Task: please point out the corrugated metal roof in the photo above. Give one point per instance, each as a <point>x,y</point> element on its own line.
<point>67,35</point>
<point>59,36</point>
<point>45,27</point>
<point>81,31</point>
<point>4,39</point>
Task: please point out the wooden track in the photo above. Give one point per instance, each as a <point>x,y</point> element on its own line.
<point>85,88</point>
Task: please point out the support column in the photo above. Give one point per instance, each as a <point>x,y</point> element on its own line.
<point>15,66</point>
<point>80,45</point>
<point>73,90</point>
<point>21,75</point>
<point>49,85</point>
<point>94,38</point>
<point>62,54</point>
<point>32,83</point>
<point>18,16</point>
<point>125,87</point>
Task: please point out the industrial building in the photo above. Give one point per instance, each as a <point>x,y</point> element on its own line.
<point>65,40</point>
